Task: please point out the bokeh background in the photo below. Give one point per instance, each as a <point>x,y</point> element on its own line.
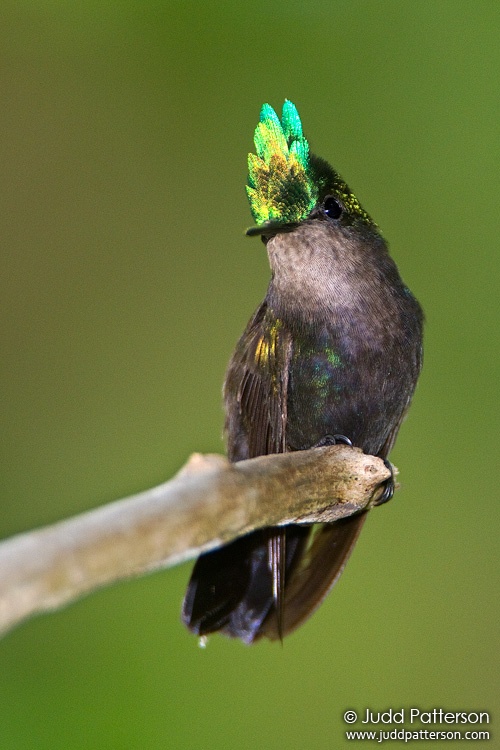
<point>125,281</point>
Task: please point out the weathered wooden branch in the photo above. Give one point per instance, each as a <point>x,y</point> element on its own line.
<point>209,502</point>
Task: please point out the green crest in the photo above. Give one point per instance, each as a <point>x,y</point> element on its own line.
<point>280,186</point>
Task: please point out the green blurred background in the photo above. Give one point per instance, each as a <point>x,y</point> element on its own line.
<point>126,280</point>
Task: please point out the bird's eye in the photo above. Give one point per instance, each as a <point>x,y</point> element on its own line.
<point>332,207</point>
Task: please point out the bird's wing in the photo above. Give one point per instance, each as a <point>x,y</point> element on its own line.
<point>256,412</point>
<point>255,390</point>
<point>235,588</point>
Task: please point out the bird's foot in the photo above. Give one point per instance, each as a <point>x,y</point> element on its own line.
<point>332,440</point>
<point>388,485</point>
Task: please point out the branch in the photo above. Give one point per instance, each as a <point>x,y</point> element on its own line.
<point>208,503</point>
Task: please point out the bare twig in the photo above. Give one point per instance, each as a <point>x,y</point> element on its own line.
<point>209,502</point>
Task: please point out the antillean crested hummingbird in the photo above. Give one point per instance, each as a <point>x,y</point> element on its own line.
<point>331,355</point>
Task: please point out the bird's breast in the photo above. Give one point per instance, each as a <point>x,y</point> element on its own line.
<point>350,379</point>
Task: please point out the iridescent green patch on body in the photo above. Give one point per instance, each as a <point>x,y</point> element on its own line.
<point>317,370</point>
<point>280,185</point>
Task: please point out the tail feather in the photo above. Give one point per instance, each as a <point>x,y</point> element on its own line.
<point>236,588</point>
<point>317,572</point>
<point>268,582</point>
<point>277,565</point>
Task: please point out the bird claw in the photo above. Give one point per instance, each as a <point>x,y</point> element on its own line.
<point>387,484</point>
<point>332,440</point>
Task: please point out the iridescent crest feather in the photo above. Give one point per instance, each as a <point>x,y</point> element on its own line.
<point>280,185</point>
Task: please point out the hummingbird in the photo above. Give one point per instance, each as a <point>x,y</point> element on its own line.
<point>332,355</point>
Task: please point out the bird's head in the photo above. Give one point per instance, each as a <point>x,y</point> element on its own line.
<point>288,185</point>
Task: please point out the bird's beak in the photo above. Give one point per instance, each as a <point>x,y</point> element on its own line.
<point>271,228</point>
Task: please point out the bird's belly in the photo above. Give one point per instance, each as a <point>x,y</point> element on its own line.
<point>333,391</point>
